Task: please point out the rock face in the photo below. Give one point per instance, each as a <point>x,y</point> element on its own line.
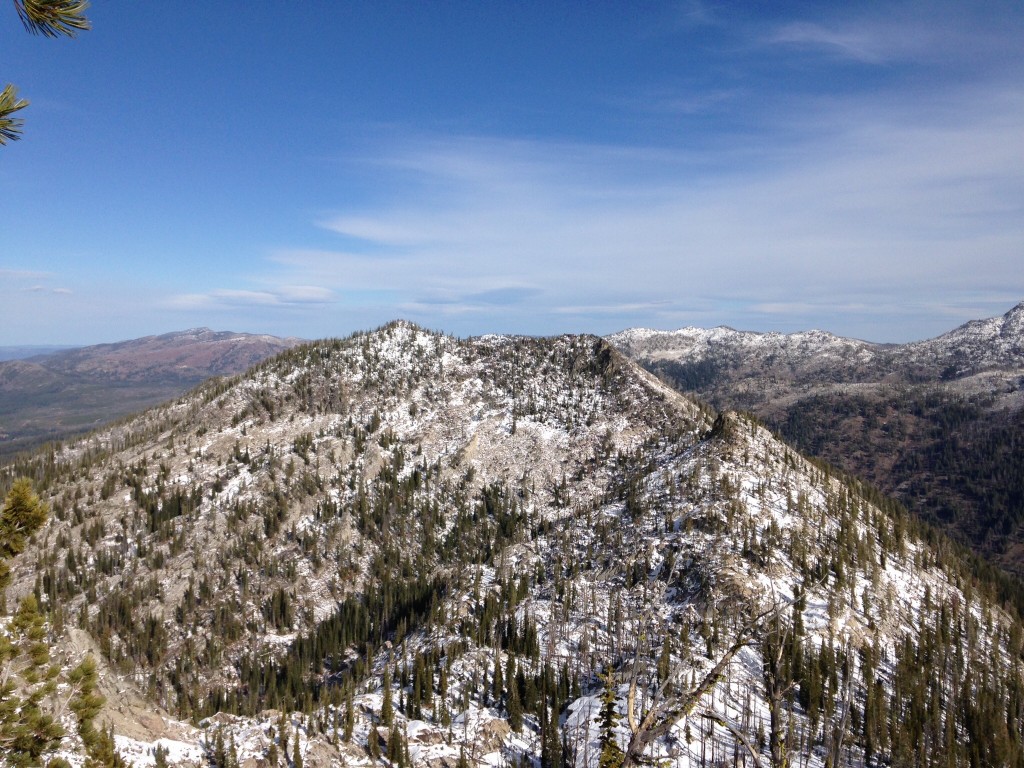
<point>939,423</point>
<point>402,546</point>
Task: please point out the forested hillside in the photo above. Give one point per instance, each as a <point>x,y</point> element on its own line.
<point>406,547</point>
<point>938,424</point>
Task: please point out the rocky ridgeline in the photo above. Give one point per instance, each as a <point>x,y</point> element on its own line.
<point>939,424</point>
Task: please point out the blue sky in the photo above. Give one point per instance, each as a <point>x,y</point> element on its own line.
<point>321,167</point>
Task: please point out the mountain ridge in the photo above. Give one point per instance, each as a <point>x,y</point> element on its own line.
<point>692,342</point>
<point>435,550</point>
<point>938,423</point>
<point>190,353</point>
<point>51,396</point>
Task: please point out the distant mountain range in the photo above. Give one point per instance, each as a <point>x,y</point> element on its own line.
<point>818,356</point>
<point>51,396</point>
<point>937,423</point>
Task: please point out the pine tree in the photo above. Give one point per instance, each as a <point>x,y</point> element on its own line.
<point>373,744</point>
<point>551,741</point>
<point>296,752</point>
<point>27,731</point>
<point>515,708</point>
<point>282,729</point>
<point>612,755</point>
<point>100,749</point>
<point>387,712</point>
<point>664,661</point>
<point>22,515</point>
<point>350,716</point>
<point>218,754</point>
<point>497,682</point>
<point>394,746</point>
<point>49,18</point>
<point>103,753</point>
<point>87,704</point>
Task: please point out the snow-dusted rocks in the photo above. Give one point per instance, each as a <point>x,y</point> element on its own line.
<point>429,551</point>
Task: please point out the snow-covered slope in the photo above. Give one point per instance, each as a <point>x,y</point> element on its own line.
<point>937,423</point>
<point>435,550</point>
<point>693,343</point>
<point>971,348</point>
<point>975,346</point>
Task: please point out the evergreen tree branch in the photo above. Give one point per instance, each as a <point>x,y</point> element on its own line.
<point>49,18</point>
<point>53,18</point>
<point>10,127</point>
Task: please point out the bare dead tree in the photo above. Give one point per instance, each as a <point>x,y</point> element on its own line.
<point>670,704</point>
<point>840,729</point>
<point>736,732</point>
<point>778,683</point>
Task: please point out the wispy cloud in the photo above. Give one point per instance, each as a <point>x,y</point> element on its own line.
<point>953,37</point>
<point>655,307</point>
<point>305,294</point>
<point>30,282</point>
<point>877,200</point>
<point>503,297</point>
<point>228,298</point>
<point>497,297</point>
<point>868,44</point>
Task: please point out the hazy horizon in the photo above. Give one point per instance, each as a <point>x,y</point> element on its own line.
<point>14,351</point>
